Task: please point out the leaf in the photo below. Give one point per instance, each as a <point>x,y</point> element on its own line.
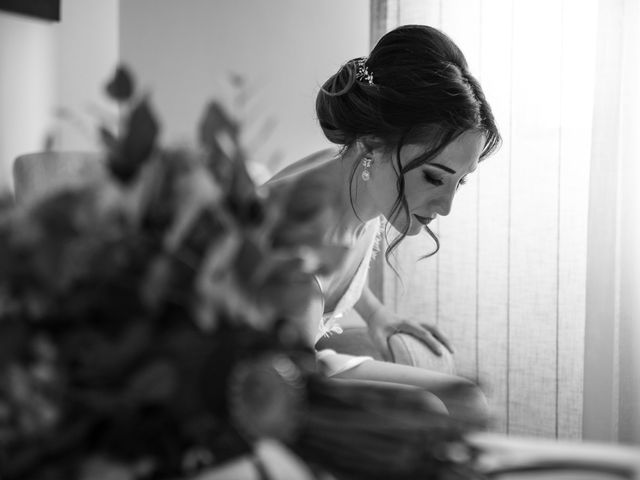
<point>218,131</point>
<point>121,86</point>
<point>103,468</point>
<point>14,336</point>
<point>156,381</point>
<point>49,142</point>
<point>138,143</point>
<point>108,139</point>
<point>250,257</point>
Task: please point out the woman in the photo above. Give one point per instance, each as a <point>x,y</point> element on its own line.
<point>411,123</point>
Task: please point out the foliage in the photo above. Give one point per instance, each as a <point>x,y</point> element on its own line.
<point>116,295</point>
<point>148,323</point>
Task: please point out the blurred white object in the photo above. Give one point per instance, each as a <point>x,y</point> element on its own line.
<point>536,458</point>
<point>277,460</point>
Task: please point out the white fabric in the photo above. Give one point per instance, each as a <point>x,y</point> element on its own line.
<point>332,362</point>
<point>349,298</point>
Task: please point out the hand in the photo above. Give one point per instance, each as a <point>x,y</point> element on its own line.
<point>386,324</point>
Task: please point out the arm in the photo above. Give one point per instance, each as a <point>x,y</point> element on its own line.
<point>373,312</point>
<point>309,318</point>
<point>383,323</point>
<point>369,307</point>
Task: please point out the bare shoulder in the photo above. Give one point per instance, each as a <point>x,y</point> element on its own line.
<point>315,190</point>
<point>316,164</point>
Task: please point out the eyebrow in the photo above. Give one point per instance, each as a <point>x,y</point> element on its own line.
<point>442,167</point>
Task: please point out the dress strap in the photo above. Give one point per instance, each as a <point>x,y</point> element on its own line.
<point>320,287</point>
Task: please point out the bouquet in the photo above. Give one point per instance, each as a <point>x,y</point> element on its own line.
<point>148,323</point>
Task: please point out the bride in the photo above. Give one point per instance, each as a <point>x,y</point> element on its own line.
<point>411,123</point>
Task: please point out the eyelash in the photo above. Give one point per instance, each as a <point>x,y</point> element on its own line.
<point>432,179</point>
<point>438,182</point>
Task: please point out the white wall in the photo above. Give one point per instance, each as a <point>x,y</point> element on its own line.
<point>47,65</point>
<point>184,51</point>
<point>87,56</point>
<point>27,87</point>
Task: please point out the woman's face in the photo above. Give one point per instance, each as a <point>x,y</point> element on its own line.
<point>430,187</point>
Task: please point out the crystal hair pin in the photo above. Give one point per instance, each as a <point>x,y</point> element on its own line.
<point>362,72</point>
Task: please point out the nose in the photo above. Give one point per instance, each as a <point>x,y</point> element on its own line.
<point>443,204</point>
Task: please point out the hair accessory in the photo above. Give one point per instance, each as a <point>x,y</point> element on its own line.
<point>366,163</point>
<point>362,72</point>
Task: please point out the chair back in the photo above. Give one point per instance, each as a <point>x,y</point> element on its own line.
<point>36,174</point>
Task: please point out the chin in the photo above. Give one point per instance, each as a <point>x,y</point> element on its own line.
<point>414,227</point>
<point>415,230</point>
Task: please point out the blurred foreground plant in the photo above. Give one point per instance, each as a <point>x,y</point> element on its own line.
<point>148,323</point>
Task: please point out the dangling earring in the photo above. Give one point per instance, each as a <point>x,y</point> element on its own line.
<point>366,163</point>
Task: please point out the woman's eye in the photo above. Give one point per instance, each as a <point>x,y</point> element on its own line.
<point>462,181</point>
<point>432,179</point>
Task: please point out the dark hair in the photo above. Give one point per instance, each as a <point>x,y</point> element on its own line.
<point>421,89</point>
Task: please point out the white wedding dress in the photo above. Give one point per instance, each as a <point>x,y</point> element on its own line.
<point>349,285</point>
<point>332,362</point>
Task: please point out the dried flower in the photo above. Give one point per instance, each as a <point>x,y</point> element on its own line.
<point>148,323</point>
<point>114,294</point>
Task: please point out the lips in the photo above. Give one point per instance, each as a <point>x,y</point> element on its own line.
<point>423,220</point>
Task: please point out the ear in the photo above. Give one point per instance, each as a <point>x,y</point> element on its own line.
<point>368,144</point>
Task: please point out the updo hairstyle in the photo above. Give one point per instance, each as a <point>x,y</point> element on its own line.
<point>421,91</point>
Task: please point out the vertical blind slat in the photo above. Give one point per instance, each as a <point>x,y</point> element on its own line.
<point>534,193</point>
<point>457,260</point>
<point>508,284</point>
<point>493,213</point>
<point>578,67</point>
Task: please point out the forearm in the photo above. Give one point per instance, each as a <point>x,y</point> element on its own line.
<point>369,307</point>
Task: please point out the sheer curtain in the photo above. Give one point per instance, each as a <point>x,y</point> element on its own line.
<point>513,282</point>
<point>612,341</point>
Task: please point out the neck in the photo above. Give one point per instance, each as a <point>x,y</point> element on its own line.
<point>361,205</point>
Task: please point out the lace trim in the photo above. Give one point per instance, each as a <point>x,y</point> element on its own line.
<point>376,242</point>
<point>330,325</point>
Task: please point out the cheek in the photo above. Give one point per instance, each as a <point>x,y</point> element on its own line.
<point>417,191</point>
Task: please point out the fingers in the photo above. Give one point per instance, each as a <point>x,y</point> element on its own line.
<point>437,333</point>
<point>432,343</point>
<point>422,334</point>
<point>431,335</point>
